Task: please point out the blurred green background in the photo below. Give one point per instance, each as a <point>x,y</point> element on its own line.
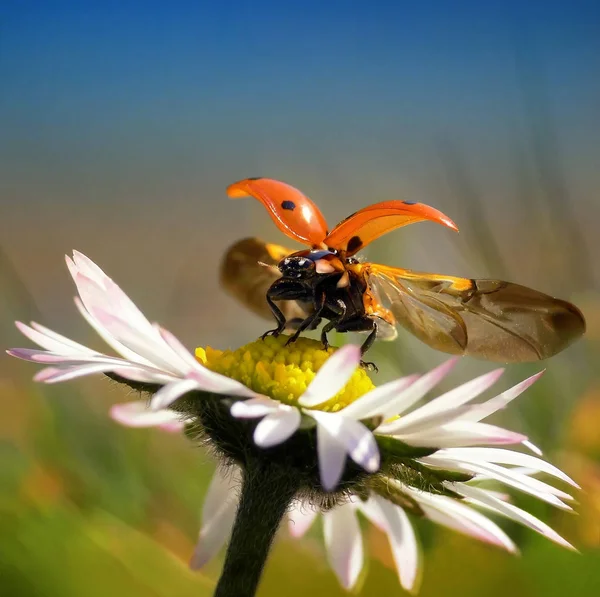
<point>123,122</point>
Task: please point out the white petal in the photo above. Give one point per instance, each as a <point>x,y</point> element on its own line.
<point>300,519</point>
<point>530,446</point>
<point>123,350</point>
<point>505,497</point>
<point>464,433</point>
<point>87,267</point>
<point>35,355</point>
<point>51,340</point>
<point>145,375</point>
<point>173,426</point>
<point>137,414</point>
<point>533,485</point>
<point>332,376</point>
<point>500,401</point>
<point>153,349</point>
<point>457,516</point>
<point>523,470</point>
<point>483,498</point>
<point>201,379</point>
<point>370,404</point>
<point>114,303</point>
<point>114,311</point>
<point>417,390</point>
<point>343,541</point>
<point>253,408</point>
<point>402,540</point>
<point>461,395</point>
<point>178,348</point>
<point>58,374</point>
<point>60,338</point>
<point>151,353</point>
<point>171,392</point>
<point>419,422</point>
<point>209,381</point>
<point>96,288</point>
<point>358,441</point>
<point>72,267</point>
<point>373,512</point>
<point>523,483</point>
<point>277,427</point>
<point>332,458</point>
<point>218,515</point>
<point>501,456</point>
<point>64,361</point>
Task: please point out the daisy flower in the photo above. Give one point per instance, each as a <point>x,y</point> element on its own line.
<point>306,426</point>
<point>454,500</point>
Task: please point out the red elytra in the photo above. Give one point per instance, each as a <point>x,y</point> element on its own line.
<point>300,219</point>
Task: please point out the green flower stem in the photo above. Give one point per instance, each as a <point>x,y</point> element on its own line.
<point>271,478</point>
<point>267,491</point>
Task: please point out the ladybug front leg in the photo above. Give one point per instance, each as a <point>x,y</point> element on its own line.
<point>363,323</point>
<point>279,316</point>
<point>368,365</point>
<point>338,307</point>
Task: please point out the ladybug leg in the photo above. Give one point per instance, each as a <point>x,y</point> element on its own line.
<point>369,366</point>
<point>370,339</point>
<point>341,313</point>
<point>363,323</point>
<point>279,316</point>
<point>311,320</point>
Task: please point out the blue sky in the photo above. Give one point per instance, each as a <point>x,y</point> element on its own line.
<point>102,81</point>
<point>138,101</point>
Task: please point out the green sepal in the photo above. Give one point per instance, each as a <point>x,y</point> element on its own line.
<point>394,448</point>
<point>417,475</point>
<point>453,476</point>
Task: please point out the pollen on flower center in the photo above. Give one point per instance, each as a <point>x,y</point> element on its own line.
<point>282,372</point>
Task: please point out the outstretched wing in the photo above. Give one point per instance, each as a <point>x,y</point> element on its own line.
<point>248,269</point>
<point>365,225</point>
<point>488,319</point>
<point>292,211</point>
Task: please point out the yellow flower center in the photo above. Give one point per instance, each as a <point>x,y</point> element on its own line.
<point>282,372</point>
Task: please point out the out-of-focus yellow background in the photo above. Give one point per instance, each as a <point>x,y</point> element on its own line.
<point>122,124</point>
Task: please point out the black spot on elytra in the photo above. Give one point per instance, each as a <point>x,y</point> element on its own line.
<point>288,205</point>
<point>409,202</point>
<point>255,178</point>
<point>354,244</point>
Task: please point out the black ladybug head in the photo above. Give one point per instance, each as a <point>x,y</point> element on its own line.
<point>297,267</point>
